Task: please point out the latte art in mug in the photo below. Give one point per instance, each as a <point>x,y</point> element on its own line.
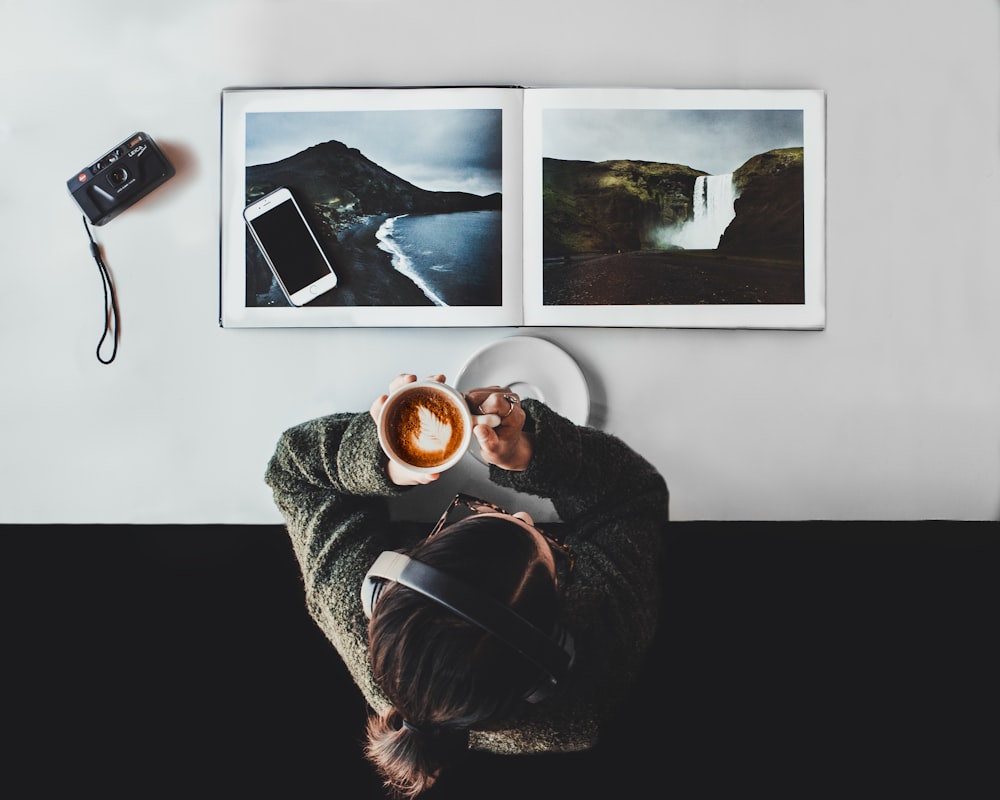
<point>424,427</point>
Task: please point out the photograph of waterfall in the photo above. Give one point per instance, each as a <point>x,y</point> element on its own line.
<point>699,205</point>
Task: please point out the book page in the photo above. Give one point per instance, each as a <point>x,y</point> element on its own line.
<point>414,196</point>
<point>674,208</point>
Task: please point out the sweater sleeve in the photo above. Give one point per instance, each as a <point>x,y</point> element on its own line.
<point>329,482</point>
<point>590,476</point>
<point>614,505</point>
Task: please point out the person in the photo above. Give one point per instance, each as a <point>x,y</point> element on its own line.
<point>438,683</point>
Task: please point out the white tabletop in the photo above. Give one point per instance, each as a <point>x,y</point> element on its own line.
<point>891,412</point>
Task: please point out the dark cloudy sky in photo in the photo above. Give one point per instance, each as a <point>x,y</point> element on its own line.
<point>710,140</point>
<point>439,150</point>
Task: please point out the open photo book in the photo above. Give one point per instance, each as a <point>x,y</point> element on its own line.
<point>511,206</point>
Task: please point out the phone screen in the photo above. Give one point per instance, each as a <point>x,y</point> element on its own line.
<point>290,246</point>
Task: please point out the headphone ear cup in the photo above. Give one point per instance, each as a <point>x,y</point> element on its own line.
<point>387,567</point>
<point>562,637</point>
<point>548,685</point>
<point>371,588</point>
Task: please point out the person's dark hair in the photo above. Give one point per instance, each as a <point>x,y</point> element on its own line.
<point>442,673</point>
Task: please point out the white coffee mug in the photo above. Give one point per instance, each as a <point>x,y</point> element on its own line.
<point>426,426</point>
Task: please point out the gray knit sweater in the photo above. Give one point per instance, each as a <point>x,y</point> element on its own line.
<point>330,483</point>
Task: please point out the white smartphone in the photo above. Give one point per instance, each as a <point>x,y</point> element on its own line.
<point>290,247</point>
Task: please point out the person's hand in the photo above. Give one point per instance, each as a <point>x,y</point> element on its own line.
<point>507,445</point>
<point>401,476</point>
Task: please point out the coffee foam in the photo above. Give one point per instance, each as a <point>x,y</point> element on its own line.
<point>424,427</point>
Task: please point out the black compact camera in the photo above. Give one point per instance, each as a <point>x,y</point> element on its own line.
<point>120,178</point>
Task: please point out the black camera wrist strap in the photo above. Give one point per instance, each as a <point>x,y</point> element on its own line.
<point>110,301</point>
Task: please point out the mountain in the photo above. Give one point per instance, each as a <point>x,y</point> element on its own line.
<point>770,215</point>
<point>608,206</point>
<point>338,184</point>
<point>611,206</point>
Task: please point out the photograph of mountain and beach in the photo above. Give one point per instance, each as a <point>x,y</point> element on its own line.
<point>406,203</point>
<point>508,206</point>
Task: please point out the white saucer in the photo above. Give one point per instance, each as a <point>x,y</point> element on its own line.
<point>531,367</point>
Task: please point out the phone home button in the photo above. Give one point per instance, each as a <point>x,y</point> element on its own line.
<point>313,290</point>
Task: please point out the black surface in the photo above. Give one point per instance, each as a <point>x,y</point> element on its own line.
<point>793,660</point>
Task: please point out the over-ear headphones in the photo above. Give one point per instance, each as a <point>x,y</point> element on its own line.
<point>552,654</point>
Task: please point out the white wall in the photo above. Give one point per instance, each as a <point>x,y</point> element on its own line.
<point>892,412</point>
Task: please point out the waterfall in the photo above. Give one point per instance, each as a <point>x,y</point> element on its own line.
<point>714,196</point>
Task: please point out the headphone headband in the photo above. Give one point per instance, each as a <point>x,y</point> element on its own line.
<point>553,657</point>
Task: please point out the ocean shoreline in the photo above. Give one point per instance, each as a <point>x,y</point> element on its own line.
<point>365,274</point>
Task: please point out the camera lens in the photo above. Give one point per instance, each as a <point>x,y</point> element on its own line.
<point>118,176</point>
